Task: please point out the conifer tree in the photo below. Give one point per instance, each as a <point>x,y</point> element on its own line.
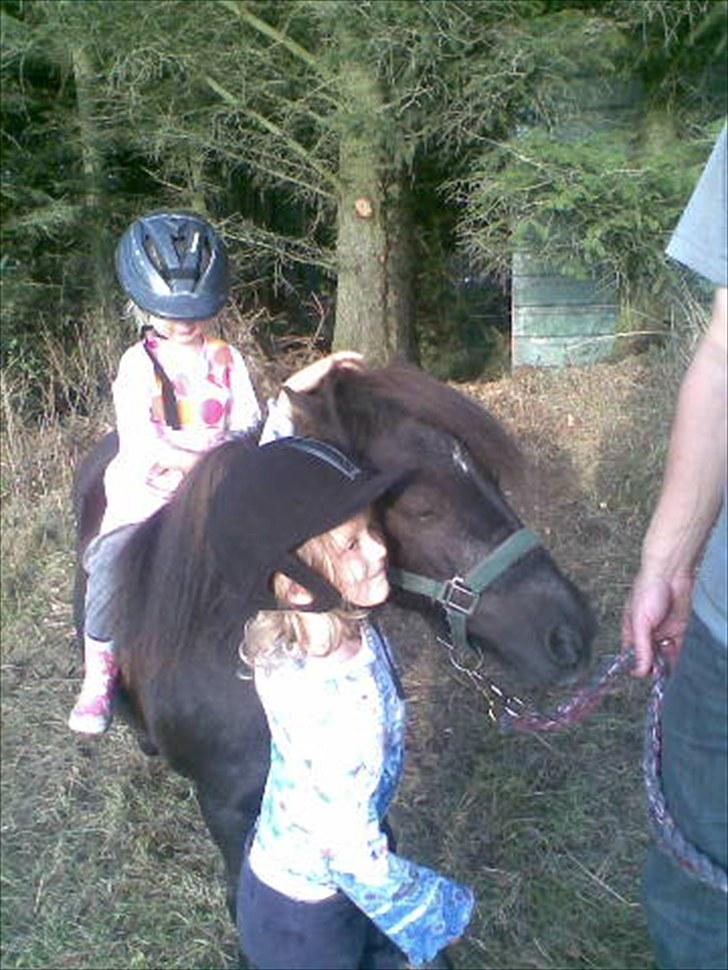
<point>325,104</point>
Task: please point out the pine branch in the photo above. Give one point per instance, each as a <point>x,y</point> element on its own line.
<point>292,250</point>
<point>241,10</point>
<point>296,147</point>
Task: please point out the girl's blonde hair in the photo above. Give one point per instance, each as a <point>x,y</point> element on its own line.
<point>275,635</point>
<point>140,317</point>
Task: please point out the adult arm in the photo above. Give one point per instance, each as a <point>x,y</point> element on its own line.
<point>659,604</point>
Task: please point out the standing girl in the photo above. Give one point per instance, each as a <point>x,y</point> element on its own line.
<point>320,886</point>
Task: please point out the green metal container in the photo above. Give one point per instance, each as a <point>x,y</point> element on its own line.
<point>557,320</point>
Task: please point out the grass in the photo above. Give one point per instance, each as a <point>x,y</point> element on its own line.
<point>106,862</point>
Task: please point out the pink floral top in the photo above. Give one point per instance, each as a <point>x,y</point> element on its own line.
<point>215,396</point>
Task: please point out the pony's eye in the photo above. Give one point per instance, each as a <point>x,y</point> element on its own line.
<point>424,515</point>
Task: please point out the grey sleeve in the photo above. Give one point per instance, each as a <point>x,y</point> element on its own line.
<point>699,241</point>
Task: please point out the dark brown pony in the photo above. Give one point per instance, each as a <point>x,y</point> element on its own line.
<point>180,623</point>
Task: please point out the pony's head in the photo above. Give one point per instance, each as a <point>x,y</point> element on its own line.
<point>451,521</point>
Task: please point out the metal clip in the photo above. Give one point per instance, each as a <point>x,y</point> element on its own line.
<point>459,598</point>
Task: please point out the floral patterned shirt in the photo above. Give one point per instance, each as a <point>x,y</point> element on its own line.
<point>337,748</point>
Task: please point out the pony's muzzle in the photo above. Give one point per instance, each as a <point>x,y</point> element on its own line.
<point>565,647</point>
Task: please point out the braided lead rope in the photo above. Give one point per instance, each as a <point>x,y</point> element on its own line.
<point>665,830</point>
<point>514,717</point>
<point>573,710</point>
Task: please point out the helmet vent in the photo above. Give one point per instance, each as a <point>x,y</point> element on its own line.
<point>154,256</point>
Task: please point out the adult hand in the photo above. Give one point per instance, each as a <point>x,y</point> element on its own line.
<point>311,376</point>
<point>655,617</point>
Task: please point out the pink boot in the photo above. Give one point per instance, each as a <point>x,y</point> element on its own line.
<point>92,711</point>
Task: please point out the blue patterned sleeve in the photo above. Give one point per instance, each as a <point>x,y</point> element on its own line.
<point>417,908</point>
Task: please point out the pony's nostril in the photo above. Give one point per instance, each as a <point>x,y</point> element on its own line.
<point>563,646</point>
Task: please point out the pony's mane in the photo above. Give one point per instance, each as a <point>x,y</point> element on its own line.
<point>172,597</point>
<point>353,405</point>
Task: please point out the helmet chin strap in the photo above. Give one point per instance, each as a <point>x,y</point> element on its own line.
<point>325,596</point>
<point>169,398</point>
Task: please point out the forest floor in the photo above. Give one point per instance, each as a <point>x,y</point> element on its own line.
<point>106,862</point>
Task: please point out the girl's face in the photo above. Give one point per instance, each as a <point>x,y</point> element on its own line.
<point>359,562</point>
<point>184,333</point>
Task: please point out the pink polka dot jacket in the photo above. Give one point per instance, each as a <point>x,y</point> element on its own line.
<point>215,397</point>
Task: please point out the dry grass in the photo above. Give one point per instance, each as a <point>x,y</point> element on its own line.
<point>550,830</point>
<point>105,859</point>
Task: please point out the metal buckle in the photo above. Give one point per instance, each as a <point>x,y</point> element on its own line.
<point>459,598</point>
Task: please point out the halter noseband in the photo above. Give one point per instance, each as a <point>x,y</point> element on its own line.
<point>460,595</point>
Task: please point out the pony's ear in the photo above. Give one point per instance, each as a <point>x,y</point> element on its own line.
<point>307,409</point>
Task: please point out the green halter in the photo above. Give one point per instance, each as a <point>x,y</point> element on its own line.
<point>460,595</point>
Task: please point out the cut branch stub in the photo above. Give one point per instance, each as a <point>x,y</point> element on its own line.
<point>363,208</point>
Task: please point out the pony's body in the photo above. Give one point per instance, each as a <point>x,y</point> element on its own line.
<point>180,624</point>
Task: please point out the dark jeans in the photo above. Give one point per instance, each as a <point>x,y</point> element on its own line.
<point>279,933</point>
<point>687,919</point>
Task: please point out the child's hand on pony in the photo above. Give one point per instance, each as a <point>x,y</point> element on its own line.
<point>310,377</point>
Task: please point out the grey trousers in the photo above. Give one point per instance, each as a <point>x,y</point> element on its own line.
<point>100,562</point>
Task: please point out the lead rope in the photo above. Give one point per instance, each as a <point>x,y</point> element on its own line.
<point>665,830</point>
<point>514,716</point>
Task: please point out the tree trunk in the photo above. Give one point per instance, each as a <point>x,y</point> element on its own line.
<point>399,268</point>
<point>373,299</point>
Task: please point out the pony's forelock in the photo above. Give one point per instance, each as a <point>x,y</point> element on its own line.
<point>351,406</point>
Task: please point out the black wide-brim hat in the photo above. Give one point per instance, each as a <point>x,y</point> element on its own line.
<point>275,497</point>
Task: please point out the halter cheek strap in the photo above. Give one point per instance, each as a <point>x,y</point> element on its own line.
<point>460,595</point>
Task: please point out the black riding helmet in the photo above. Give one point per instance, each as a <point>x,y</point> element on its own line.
<point>173,265</point>
<point>273,499</point>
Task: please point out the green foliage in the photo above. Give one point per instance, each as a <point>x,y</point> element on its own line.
<point>605,143</point>
<point>595,202</point>
<point>239,109</point>
<point>52,233</point>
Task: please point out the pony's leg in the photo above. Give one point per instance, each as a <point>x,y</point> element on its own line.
<point>229,821</point>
